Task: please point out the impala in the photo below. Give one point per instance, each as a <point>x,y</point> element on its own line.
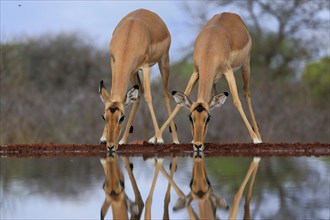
<point>140,40</point>
<point>114,188</point>
<point>201,191</point>
<point>222,46</point>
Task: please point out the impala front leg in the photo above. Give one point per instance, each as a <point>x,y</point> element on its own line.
<point>135,80</point>
<point>103,139</point>
<point>193,79</point>
<point>129,127</point>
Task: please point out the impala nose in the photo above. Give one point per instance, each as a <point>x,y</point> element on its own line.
<point>113,193</point>
<point>198,147</point>
<point>111,148</point>
<point>200,194</point>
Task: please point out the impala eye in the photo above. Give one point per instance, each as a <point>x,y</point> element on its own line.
<point>103,117</point>
<point>121,119</point>
<point>190,119</point>
<point>208,119</point>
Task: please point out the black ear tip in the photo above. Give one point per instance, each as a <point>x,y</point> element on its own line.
<point>101,86</point>
<point>136,87</point>
<point>226,93</point>
<point>174,92</point>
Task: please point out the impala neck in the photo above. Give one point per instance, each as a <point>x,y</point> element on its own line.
<point>120,81</point>
<point>206,79</point>
<point>206,209</point>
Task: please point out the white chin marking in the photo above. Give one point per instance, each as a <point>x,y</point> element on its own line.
<point>121,142</point>
<point>257,141</point>
<point>256,159</point>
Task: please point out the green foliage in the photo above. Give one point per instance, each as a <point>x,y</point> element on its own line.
<point>317,77</point>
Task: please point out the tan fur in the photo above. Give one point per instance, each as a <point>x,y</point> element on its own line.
<point>115,194</point>
<point>112,184</point>
<point>140,40</point>
<point>202,191</point>
<point>251,173</point>
<point>222,46</point>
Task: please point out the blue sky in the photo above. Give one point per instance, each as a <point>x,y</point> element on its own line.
<point>96,19</point>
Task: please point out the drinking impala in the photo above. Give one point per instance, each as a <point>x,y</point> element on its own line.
<point>222,46</point>
<point>140,40</point>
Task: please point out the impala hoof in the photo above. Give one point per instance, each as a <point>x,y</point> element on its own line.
<point>256,159</point>
<point>111,149</point>
<point>155,140</point>
<point>257,141</point>
<point>152,140</point>
<point>160,141</point>
<point>103,140</point>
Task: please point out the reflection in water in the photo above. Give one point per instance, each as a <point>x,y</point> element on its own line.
<point>114,188</point>
<point>251,173</point>
<point>202,192</point>
<point>67,188</point>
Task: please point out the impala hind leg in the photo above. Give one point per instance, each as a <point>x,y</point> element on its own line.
<point>164,67</point>
<point>233,89</point>
<point>148,98</point>
<point>135,80</point>
<point>246,87</point>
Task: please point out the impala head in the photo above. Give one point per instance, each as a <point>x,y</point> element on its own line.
<point>199,115</point>
<point>201,189</point>
<point>114,189</point>
<point>114,115</point>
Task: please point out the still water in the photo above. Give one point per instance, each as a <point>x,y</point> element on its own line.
<point>201,187</point>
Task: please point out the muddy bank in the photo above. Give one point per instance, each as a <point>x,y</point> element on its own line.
<point>148,150</point>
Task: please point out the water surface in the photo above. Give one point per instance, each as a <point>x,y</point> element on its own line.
<point>79,188</point>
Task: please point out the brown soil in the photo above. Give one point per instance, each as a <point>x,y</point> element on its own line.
<point>148,150</point>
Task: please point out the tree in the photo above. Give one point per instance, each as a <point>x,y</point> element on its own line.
<point>285,33</point>
<point>317,77</point>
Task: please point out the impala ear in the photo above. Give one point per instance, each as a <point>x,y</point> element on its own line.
<point>181,99</point>
<point>219,202</point>
<point>132,95</point>
<point>182,202</point>
<point>218,100</point>
<point>103,92</point>
<point>105,207</point>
